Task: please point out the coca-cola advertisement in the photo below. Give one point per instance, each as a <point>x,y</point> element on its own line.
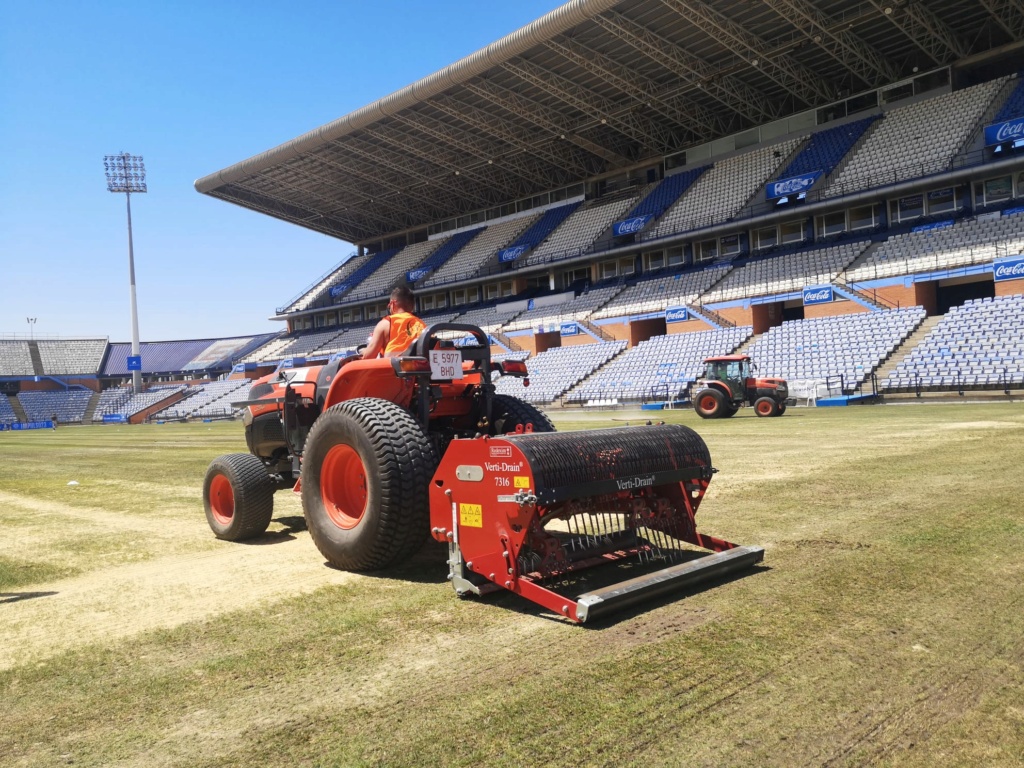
<point>1000,133</point>
<point>1008,269</point>
<point>817,294</point>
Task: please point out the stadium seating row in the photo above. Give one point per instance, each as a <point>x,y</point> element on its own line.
<point>900,143</point>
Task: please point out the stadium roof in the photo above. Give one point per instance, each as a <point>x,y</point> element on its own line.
<point>593,87</point>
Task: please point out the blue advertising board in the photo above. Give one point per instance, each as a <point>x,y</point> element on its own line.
<point>339,289</point>
<point>1011,130</point>
<point>817,294</point>
<point>1008,269</point>
<point>792,186</point>
<point>19,426</point>
<point>114,418</point>
<point>630,226</point>
<point>416,274</point>
<point>134,362</point>
<point>568,329</point>
<point>676,314</point>
<point>511,254</point>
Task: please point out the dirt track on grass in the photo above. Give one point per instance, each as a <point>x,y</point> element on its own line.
<point>122,601</point>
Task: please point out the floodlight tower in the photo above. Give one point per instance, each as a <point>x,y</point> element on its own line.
<point>127,173</point>
<point>31,325</point>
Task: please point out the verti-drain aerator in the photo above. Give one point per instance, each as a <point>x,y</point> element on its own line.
<point>527,512</point>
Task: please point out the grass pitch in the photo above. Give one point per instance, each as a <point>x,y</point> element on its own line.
<point>884,627</point>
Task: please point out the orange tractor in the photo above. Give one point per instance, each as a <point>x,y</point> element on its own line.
<point>728,383</point>
<point>386,452</point>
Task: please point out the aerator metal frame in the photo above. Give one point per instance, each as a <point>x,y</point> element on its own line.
<point>522,512</point>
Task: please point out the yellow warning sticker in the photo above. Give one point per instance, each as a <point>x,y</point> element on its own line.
<point>519,481</point>
<point>471,515</point>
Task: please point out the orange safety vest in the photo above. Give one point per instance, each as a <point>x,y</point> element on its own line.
<point>405,328</point>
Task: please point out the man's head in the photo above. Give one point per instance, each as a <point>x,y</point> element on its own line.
<point>401,300</point>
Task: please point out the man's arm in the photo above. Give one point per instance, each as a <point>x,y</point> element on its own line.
<point>378,339</point>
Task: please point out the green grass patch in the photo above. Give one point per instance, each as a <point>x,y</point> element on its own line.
<point>883,627</point>
<point>16,573</point>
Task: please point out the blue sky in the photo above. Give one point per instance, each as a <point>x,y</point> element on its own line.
<point>192,87</point>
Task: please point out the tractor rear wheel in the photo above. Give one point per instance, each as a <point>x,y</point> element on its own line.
<point>365,473</point>
<point>238,496</point>
<point>510,412</point>
<point>765,406</point>
<point>711,404</point>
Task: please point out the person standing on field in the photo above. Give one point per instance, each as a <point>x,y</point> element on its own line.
<point>396,332</point>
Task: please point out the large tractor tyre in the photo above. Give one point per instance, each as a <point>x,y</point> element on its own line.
<point>510,412</point>
<point>238,496</point>
<point>765,406</point>
<point>365,473</point>
<point>712,404</point>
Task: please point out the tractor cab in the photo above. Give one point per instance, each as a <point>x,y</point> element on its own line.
<point>732,370</point>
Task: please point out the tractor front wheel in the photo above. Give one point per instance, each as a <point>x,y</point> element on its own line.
<point>711,404</point>
<point>365,473</point>
<point>238,496</point>
<point>765,406</point>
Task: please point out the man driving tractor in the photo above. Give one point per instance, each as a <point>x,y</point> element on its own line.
<point>396,332</point>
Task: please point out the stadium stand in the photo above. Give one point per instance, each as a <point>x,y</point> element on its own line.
<point>660,293</point>
<point>827,148</point>
<point>480,250</point>
<point>210,399</point>
<point>309,342</point>
<point>721,192</point>
<point>7,414</point>
<point>661,368</point>
<point>355,279</point>
<point>915,140</point>
<point>112,401</point>
<point>542,227</point>
<point>845,348</point>
<point>157,356</point>
<point>68,405</point>
<point>15,358</point>
<point>322,288</point>
<point>979,344</point>
<point>968,241</point>
<point>665,193</point>
<point>574,308</point>
<point>188,356</point>
<point>785,273</point>
<point>393,270</point>
<point>578,232</point>
<point>71,356</point>
<point>555,371</point>
<point>1014,104</point>
<point>489,318</point>
<point>448,250</point>
<point>149,398</point>
<point>271,350</point>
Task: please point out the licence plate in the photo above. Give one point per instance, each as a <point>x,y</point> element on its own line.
<point>445,364</point>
